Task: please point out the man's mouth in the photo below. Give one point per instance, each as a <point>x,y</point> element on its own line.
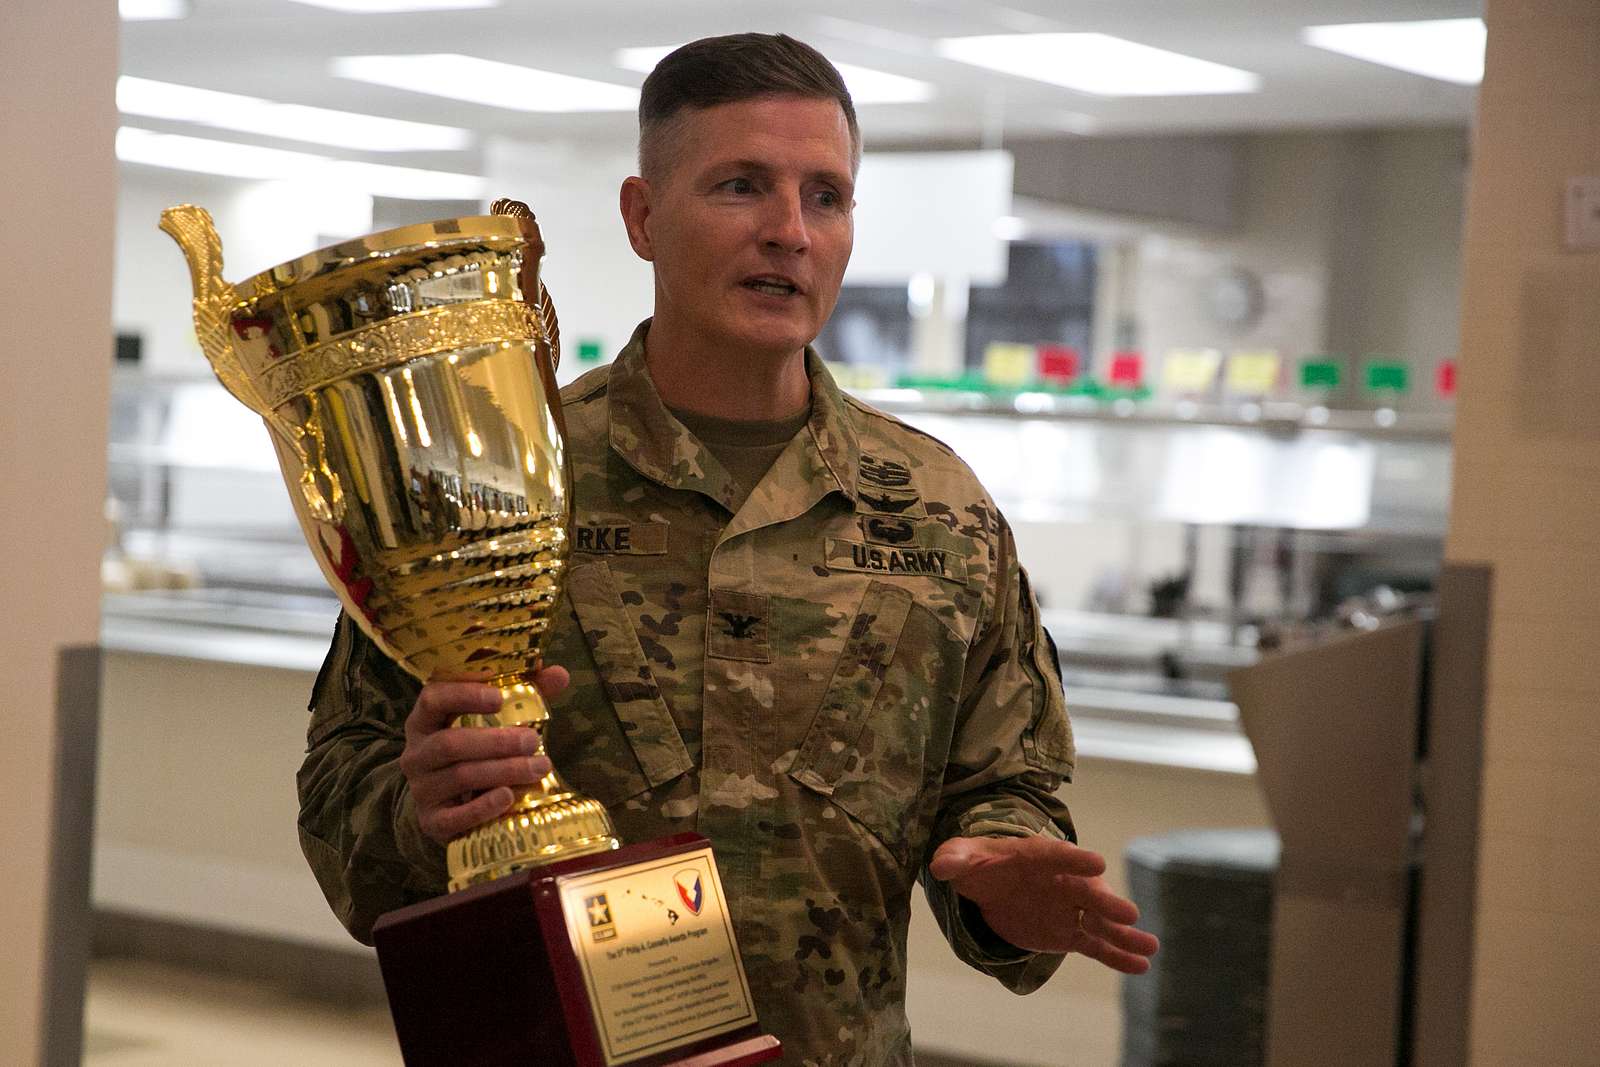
<point>771,285</point>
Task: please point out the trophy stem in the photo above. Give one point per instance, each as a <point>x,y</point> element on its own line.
<point>549,820</point>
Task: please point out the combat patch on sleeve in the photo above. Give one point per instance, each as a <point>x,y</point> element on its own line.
<point>842,555</point>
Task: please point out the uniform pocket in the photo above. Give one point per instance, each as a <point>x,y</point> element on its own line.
<point>865,749</point>
<point>637,721</point>
<point>1047,742</point>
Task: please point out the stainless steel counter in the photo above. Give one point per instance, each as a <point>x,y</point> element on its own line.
<point>1110,721</point>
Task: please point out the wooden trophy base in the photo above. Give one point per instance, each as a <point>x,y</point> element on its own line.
<point>623,957</point>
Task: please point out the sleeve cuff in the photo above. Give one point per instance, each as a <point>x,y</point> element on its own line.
<point>985,947</point>
<point>416,847</point>
<point>975,944</point>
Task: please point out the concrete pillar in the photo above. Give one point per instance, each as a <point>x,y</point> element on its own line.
<point>939,325</point>
<point>1527,465</point>
<point>58,191</point>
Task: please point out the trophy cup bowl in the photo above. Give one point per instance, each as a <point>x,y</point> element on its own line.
<point>408,382</point>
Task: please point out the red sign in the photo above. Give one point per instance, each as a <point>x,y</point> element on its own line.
<point>1127,369</point>
<point>1445,379</point>
<point>1059,364</point>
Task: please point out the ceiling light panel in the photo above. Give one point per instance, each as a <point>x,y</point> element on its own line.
<point>226,158</point>
<point>149,10</point>
<point>1445,49</point>
<point>866,86</point>
<point>393,7</point>
<point>1099,64</point>
<point>292,122</point>
<point>483,81</point>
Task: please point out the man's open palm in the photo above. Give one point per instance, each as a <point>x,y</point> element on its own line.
<point>1045,895</point>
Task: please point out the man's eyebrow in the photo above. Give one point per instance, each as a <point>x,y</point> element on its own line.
<point>833,177</point>
<point>749,166</point>
<point>755,166</point>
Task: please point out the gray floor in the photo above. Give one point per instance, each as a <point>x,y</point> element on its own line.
<point>145,1014</point>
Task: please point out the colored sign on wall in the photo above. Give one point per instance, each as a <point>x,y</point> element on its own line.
<point>1253,372</point>
<point>1127,369</point>
<point>1059,364</point>
<point>1190,370</point>
<point>1320,373</point>
<point>1387,375</point>
<point>1445,379</point>
<point>1009,365</point>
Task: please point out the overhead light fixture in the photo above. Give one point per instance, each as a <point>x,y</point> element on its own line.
<point>1009,228</point>
<point>226,158</point>
<point>150,10</point>
<point>1099,64</point>
<point>396,7</point>
<point>204,156</point>
<point>292,122</point>
<point>1076,122</point>
<point>484,81</point>
<point>867,86</point>
<point>1446,49</point>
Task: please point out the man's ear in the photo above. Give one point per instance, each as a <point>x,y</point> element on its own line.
<point>635,203</point>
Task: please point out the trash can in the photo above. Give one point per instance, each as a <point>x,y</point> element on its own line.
<point>1208,895</point>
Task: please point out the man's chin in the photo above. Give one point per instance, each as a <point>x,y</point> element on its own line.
<point>770,343</point>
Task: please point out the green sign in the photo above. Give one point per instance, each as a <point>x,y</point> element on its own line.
<point>588,350</point>
<point>1319,374</point>
<point>1386,374</point>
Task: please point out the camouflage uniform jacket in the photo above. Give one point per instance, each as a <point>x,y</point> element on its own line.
<point>827,684</point>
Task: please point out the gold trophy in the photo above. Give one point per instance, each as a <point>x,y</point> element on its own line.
<point>407,379</point>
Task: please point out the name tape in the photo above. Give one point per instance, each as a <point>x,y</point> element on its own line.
<point>628,538</point>
<point>881,559</point>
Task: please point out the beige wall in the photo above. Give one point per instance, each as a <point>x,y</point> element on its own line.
<point>1527,466</point>
<point>1395,269</point>
<point>233,861</point>
<point>1284,238</point>
<point>58,191</point>
<point>1356,238</point>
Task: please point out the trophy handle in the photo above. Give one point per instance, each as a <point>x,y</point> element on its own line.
<point>544,309</point>
<point>214,299</point>
<point>549,329</point>
<point>215,302</point>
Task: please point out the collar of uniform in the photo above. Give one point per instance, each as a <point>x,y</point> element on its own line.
<point>831,426</point>
<point>650,439</point>
<point>657,445</point>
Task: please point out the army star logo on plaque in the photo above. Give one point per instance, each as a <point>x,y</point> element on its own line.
<point>601,928</point>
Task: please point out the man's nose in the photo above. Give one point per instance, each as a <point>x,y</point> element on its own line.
<point>784,225</point>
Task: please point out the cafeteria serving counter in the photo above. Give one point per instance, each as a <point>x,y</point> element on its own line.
<point>1123,708</point>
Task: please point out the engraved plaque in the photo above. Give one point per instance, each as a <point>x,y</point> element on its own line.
<point>657,952</point>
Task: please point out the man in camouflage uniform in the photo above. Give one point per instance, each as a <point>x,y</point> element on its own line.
<point>792,623</point>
